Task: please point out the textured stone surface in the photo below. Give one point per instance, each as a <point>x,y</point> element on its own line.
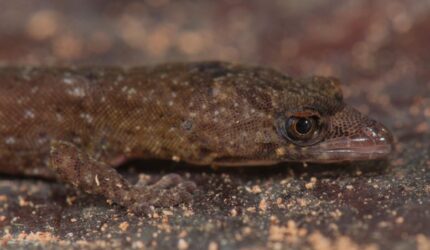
<point>379,49</point>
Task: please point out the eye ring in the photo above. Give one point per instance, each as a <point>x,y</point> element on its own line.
<point>303,128</point>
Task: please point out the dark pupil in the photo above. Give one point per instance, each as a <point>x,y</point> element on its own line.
<point>303,126</point>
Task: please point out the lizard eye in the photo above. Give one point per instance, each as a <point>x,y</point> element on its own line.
<point>302,129</point>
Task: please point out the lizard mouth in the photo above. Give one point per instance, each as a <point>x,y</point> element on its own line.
<point>370,143</point>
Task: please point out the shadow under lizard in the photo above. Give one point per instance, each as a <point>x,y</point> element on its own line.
<point>78,124</point>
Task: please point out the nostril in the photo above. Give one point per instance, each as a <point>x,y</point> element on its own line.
<point>383,131</point>
<point>370,132</point>
<point>378,133</point>
<point>386,137</point>
<point>386,134</point>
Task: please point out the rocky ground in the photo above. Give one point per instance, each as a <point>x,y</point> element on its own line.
<point>379,49</point>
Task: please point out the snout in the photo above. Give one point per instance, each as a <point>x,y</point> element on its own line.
<point>377,140</point>
<point>368,141</point>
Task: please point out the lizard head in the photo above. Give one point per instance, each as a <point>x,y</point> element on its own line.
<point>322,128</point>
<point>280,119</point>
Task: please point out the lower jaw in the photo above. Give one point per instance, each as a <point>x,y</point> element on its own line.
<point>332,156</point>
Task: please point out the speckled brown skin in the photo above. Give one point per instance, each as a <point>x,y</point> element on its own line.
<point>79,123</point>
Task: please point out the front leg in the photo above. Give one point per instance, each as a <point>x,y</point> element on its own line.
<point>77,168</point>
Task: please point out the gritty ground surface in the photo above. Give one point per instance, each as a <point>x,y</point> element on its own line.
<point>379,49</point>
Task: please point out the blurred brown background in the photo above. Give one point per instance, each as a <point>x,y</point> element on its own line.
<point>304,36</point>
<point>379,50</point>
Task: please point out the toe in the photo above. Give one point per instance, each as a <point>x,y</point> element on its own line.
<point>167,181</point>
<point>188,186</point>
<point>172,197</point>
<point>140,208</point>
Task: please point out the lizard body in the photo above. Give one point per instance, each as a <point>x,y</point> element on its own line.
<point>77,122</point>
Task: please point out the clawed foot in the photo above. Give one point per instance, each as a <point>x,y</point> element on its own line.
<point>77,168</point>
<point>170,190</point>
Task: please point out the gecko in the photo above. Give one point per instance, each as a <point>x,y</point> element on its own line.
<point>78,124</point>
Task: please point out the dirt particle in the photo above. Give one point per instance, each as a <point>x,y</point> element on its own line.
<point>251,209</point>
<point>138,244</point>
<point>70,200</point>
<point>104,227</point>
<point>233,212</point>
<point>336,214</point>
<point>96,179</point>
<point>123,226</point>
<point>40,237</point>
<point>262,205</point>
<point>183,234</point>
<point>303,202</point>
<point>291,233</point>
<point>280,151</point>
<point>422,127</point>
<point>182,244</point>
<point>3,198</point>
<point>400,220</point>
<point>167,212</point>
<point>256,189</point>
<point>423,242</point>
<point>22,202</point>
<point>176,158</point>
<point>43,237</point>
<point>213,246</point>
<point>311,184</point>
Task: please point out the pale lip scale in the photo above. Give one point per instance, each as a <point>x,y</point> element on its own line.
<point>370,143</point>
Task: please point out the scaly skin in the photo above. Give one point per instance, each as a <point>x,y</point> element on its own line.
<point>77,122</point>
